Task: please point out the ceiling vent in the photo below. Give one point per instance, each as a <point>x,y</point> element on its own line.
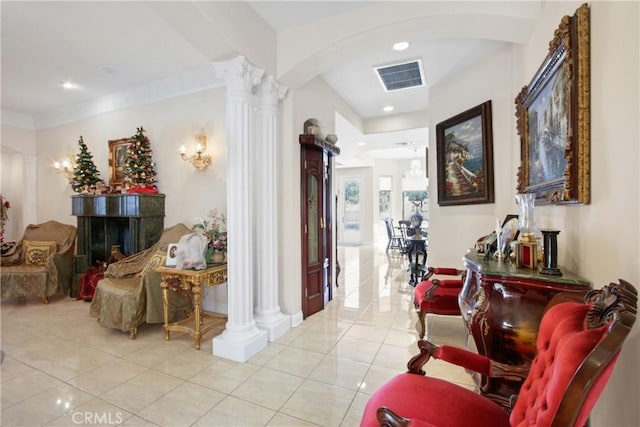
<point>401,76</point>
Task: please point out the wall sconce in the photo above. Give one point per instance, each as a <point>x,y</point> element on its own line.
<point>65,167</point>
<point>200,160</point>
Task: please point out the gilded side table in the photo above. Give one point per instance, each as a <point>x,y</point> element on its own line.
<point>502,306</point>
<point>191,281</point>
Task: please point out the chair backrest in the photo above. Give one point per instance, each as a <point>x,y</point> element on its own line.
<point>63,234</point>
<point>405,227</point>
<point>578,345</point>
<point>388,222</point>
<point>136,263</point>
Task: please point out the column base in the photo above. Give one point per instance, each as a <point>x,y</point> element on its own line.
<point>240,347</point>
<point>296,319</point>
<point>276,325</point>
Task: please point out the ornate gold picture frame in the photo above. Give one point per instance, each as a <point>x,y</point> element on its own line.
<point>117,159</point>
<point>554,118</point>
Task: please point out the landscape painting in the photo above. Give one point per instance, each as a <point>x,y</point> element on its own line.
<point>465,157</point>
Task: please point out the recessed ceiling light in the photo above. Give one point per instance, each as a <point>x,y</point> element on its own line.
<point>400,46</point>
<point>69,85</point>
<point>388,108</point>
<point>362,144</point>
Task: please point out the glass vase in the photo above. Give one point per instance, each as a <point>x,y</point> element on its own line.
<point>526,221</point>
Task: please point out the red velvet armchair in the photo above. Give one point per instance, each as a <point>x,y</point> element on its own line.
<point>578,345</point>
<point>435,296</point>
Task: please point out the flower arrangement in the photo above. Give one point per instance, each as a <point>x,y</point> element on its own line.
<point>4,215</point>
<point>214,227</point>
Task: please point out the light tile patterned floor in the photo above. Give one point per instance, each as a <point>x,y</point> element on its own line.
<point>62,369</point>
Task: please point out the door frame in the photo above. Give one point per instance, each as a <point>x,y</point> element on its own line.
<point>341,208</point>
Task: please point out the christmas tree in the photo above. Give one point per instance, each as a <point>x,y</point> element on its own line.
<point>139,167</point>
<point>85,172</point>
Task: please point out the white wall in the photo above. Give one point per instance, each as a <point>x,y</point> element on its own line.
<point>597,241</point>
<point>318,100</point>
<point>600,241</point>
<point>18,178</point>
<point>454,229</point>
<point>169,124</point>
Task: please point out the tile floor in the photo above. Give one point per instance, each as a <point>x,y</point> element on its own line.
<point>61,369</point>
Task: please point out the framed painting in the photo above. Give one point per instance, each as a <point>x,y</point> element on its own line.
<point>117,159</point>
<point>172,255</point>
<point>553,119</point>
<point>464,154</point>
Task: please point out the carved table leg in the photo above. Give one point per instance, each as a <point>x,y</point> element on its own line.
<point>133,333</point>
<point>165,307</point>
<point>197,308</point>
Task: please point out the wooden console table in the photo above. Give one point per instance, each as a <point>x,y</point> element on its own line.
<point>191,281</point>
<point>501,307</point>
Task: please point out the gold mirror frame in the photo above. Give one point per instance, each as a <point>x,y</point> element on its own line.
<point>117,160</point>
<point>555,157</point>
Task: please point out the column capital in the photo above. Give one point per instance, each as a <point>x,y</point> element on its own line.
<point>270,91</point>
<point>239,74</point>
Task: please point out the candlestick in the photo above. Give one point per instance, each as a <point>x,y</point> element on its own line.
<point>499,252</point>
<point>550,240</point>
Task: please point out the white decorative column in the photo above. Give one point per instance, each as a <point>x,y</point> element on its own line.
<point>241,339</point>
<point>267,310</point>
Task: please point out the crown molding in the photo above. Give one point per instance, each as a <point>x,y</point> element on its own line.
<point>153,92</point>
<point>19,120</point>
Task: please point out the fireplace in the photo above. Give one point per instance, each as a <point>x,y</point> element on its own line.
<point>132,221</point>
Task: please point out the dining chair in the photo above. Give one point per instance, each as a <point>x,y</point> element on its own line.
<point>395,241</point>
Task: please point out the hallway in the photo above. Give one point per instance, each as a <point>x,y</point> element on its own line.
<point>61,369</point>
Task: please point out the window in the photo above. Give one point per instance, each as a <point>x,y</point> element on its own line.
<point>384,197</point>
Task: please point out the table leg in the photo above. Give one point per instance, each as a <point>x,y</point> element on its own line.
<point>197,308</point>
<point>165,307</point>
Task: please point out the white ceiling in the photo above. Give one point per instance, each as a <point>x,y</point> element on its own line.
<point>104,47</point>
<point>115,47</point>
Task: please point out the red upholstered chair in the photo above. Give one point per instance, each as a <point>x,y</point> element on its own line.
<point>578,344</point>
<point>436,296</point>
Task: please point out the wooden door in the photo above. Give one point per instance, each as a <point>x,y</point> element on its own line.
<point>315,242</point>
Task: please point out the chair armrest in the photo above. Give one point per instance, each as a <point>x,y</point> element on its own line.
<point>13,256</point>
<point>466,359</point>
<point>446,271</point>
<point>436,283</point>
<point>64,267</point>
<point>388,418</point>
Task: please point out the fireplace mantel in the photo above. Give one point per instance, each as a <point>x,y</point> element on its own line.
<point>132,221</point>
